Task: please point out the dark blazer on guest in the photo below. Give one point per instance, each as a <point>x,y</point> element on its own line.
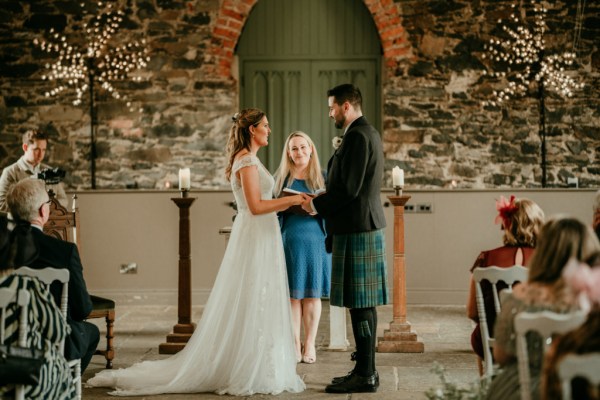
<point>352,203</point>
<point>56,253</point>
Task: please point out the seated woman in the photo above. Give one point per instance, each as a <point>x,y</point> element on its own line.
<point>521,221</point>
<point>584,281</point>
<point>46,325</point>
<point>560,240</point>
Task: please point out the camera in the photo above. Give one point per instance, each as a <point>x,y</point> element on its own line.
<point>52,176</point>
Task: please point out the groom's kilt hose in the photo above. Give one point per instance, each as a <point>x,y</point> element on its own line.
<point>358,270</point>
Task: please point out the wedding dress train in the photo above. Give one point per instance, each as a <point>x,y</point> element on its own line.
<point>243,343</point>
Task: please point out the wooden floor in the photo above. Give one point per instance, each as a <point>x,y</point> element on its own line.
<point>445,331</point>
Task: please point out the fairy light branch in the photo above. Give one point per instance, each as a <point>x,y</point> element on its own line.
<point>521,59</point>
<point>99,57</point>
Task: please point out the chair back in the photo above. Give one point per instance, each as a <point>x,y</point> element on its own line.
<point>578,365</point>
<point>9,296</point>
<point>48,275</point>
<point>546,324</point>
<point>493,275</point>
<point>62,223</point>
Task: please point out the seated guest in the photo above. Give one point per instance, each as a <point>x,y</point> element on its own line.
<point>46,327</point>
<point>560,239</point>
<point>28,201</point>
<point>521,221</point>
<point>586,339</point>
<point>29,166</point>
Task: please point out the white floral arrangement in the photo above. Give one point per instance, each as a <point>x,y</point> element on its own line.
<point>450,391</point>
<point>336,142</point>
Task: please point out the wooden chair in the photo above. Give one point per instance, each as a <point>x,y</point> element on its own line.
<point>63,224</point>
<point>510,276</point>
<point>546,324</point>
<point>9,296</point>
<point>578,365</point>
<point>47,276</point>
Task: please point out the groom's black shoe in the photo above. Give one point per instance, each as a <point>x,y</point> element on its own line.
<point>344,378</point>
<point>354,384</point>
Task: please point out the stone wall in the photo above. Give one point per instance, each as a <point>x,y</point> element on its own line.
<point>435,124</point>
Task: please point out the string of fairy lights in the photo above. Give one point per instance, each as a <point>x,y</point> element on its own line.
<point>521,59</point>
<point>100,57</point>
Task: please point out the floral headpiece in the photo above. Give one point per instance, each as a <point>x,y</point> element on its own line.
<point>235,117</point>
<point>585,281</point>
<point>506,209</point>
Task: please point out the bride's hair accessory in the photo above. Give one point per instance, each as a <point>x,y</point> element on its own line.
<point>506,209</point>
<point>235,117</point>
<point>585,281</point>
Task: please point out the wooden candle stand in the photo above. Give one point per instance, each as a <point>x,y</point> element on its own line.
<point>184,328</point>
<point>399,338</point>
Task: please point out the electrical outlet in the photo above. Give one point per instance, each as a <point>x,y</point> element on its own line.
<point>409,208</point>
<point>424,208</point>
<point>130,268</point>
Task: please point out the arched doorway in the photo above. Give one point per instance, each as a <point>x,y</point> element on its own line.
<point>290,52</point>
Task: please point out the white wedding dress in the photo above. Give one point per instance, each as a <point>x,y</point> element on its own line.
<point>243,343</point>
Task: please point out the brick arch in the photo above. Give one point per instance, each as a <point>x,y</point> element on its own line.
<point>233,15</point>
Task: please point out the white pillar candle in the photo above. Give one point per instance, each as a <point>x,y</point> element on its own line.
<point>184,179</point>
<point>398,176</point>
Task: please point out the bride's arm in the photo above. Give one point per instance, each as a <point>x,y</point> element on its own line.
<point>251,187</point>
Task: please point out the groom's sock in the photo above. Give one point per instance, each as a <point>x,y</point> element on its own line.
<point>364,334</point>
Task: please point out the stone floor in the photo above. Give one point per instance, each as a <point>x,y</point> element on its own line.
<point>444,330</point>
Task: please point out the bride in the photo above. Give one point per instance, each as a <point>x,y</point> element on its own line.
<point>244,342</point>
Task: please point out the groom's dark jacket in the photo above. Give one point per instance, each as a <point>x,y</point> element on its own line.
<point>352,202</point>
<point>56,253</point>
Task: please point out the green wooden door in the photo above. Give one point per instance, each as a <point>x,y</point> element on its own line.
<point>291,52</point>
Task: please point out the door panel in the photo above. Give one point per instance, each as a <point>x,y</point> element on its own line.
<point>294,96</point>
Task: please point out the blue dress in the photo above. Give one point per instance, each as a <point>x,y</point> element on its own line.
<point>308,264</point>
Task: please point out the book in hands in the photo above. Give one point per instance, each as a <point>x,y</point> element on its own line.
<point>297,209</point>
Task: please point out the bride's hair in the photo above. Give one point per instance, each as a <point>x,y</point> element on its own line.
<point>239,136</point>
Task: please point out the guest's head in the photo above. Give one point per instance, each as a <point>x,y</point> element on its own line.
<point>299,154</point>
<point>522,226</point>
<point>28,201</point>
<point>248,130</point>
<point>560,239</point>
<point>35,143</point>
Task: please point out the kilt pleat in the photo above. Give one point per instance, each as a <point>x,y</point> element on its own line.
<point>358,272</point>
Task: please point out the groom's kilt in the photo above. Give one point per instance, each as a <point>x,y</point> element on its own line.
<point>358,271</point>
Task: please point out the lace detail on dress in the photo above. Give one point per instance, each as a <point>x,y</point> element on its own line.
<point>265,179</point>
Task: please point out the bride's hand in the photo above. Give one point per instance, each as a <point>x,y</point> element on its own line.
<point>299,199</point>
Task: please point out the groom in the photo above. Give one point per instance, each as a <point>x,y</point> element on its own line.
<point>354,220</point>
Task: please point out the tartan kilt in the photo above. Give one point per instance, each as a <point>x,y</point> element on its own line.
<point>358,270</point>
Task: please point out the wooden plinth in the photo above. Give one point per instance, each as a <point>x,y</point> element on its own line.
<point>184,328</point>
<point>399,338</point>
<point>178,339</point>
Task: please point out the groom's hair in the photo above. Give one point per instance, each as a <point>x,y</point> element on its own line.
<point>346,93</point>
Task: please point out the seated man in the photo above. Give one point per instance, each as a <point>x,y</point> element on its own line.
<point>28,201</point>
<point>29,166</point>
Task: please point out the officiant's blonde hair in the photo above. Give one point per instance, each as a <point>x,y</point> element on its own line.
<point>314,176</point>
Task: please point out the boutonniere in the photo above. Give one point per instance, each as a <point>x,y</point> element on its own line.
<point>336,142</point>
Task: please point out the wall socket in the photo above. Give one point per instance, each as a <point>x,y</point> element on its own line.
<point>424,208</point>
<point>130,268</point>
<point>409,208</point>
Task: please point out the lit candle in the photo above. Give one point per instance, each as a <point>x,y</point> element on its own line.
<point>184,179</point>
<point>398,177</point>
